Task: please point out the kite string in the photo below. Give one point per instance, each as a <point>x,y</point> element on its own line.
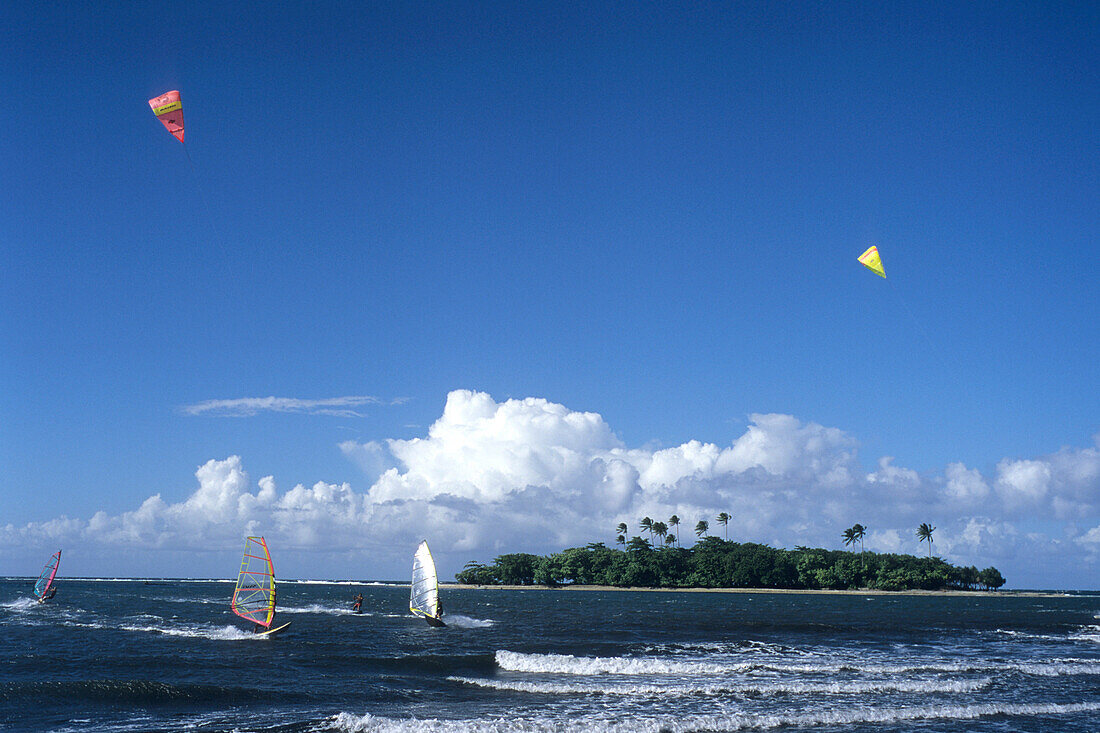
<point>920,326</point>
<point>202,197</point>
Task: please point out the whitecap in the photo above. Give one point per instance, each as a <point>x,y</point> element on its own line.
<point>679,689</point>
<point>466,622</point>
<point>351,723</point>
<point>318,608</point>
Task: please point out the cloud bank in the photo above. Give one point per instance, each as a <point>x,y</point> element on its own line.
<point>531,475</point>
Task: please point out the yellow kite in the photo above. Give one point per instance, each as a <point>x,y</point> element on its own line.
<point>872,261</point>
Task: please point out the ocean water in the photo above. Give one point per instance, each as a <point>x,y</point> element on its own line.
<point>119,655</point>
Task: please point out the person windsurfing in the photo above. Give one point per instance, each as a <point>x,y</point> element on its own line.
<point>357,607</point>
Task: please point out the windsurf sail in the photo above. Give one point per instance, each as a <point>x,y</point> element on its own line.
<point>424,600</point>
<point>254,596</point>
<point>45,579</point>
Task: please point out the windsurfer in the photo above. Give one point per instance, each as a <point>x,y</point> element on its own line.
<point>358,605</point>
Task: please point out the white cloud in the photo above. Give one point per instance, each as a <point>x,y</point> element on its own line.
<point>532,475</point>
<point>1021,483</point>
<point>1090,540</point>
<point>965,485</point>
<point>248,406</point>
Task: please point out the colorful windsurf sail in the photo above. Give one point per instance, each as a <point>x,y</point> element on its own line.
<point>871,260</point>
<point>45,579</point>
<point>424,599</point>
<point>254,596</point>
<point>169,110</point>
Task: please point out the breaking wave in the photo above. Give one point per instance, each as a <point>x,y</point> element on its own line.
<point>569,664</point>
<point>745,688</point>
<point>351,723</point>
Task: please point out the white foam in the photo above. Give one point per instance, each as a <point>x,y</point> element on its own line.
<point>21,604</point>
<point>374,724</point>
<point>466,622</point>
<point>317,608</point>
<point>722,689</point>
<point>218,633</point>
<point>223,633</point>
<point>1087,633</point>
<point>569,664</point>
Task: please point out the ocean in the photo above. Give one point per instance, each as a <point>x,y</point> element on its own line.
<point>164,655</point>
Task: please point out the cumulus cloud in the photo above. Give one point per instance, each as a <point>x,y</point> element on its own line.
<point>491,477</point>
<point>248,406</point>
<point>1021,483</point>
<point>965,485</point>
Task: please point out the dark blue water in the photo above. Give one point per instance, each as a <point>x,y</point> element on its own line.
<point>130,656</point>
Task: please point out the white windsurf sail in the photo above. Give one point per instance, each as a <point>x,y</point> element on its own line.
<point>424,599</point>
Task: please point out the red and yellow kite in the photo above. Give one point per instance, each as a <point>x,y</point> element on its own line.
<point>869,259</point>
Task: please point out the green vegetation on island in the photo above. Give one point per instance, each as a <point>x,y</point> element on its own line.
<point>720,563</point>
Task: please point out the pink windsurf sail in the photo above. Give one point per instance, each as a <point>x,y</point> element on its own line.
<point>45,579</point>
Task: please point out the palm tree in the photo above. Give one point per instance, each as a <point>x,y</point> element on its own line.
<point>621,540</point>
<point>849,536</point>
<point>724,520</point>
<point>924,534</point>
<point>647,525</point>
<point>674,521</point>
<point>858,530</point>
<point>701,528</point>
<point>621,529</point>
<point>660,529</point>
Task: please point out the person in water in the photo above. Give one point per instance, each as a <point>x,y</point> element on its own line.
<point>50,593</point>
<point>358,605</point>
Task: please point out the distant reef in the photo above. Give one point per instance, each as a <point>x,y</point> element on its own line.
<point>718,563</point>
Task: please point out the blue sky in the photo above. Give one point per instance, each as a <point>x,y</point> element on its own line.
<point>646,212</point>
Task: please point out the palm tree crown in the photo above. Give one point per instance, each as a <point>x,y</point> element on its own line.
<point>724,520</point>
<point>647,525</point>
<point>924,534</point>
<point>674,521</point>
<point>701,528</point>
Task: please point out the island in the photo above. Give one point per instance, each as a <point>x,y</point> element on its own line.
<point>718,563</point>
